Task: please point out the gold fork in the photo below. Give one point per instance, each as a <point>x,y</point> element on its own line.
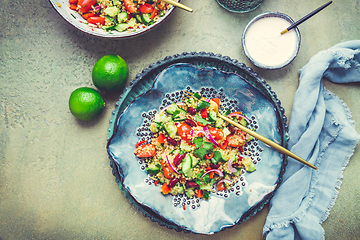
<point>252,133</point>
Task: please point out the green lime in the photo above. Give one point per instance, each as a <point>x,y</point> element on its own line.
<point>110,73</point>
<point>86,103</point>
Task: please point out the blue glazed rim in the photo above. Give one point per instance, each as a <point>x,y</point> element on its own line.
<point>144,81</point>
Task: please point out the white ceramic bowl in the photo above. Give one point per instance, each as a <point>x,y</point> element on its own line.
<point>76,20</point>
<point>265,49</point>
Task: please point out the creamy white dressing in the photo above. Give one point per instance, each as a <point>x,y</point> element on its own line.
<point>266,45</point>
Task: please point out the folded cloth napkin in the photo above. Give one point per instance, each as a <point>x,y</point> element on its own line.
<point>321,131</point>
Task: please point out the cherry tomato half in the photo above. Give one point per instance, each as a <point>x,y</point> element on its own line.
<point>236,140</point>
<point>130,6</point>
<point>85,5</point>
<point>96,20</point>
<point>146,8</point>
<point>216,133</point>
<point>146,150</point>
<point>184,131</point>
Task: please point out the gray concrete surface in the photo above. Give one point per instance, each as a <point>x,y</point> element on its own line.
<point>55,178</point>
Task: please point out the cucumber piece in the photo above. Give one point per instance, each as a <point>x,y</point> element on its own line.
<point>132,22</point>
<point>186,165</point>
<point>171,110</point>
<point>146,19</point>
<point>195,161</point>
<point>189,192</point>
<point>108,28</point>
<point>138,18</point>
<point>249,165</point>
<point>185,147</point>
<point>226,132</point>
<point>171,129</point>
<point>243,122</point>
<point>212,116</point>
<point>121,27</point>
<point>122,17</point>
<point>111,11</point>
<point>219,123</point>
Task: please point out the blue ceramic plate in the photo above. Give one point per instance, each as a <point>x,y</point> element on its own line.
<point>238,88</point>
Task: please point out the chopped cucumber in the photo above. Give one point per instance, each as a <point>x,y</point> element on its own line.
<point>243,122</point>
<point>185,147</point>
<point>121,27</point>
<point>132,22</point>
<point>212,116</point>
<point>171,110</point>
<point>111,11</point>
<point>249,165</point>
<point>146,19</point>
<point>122,17</point>
<point>186,165</point>
<point>171,129</point>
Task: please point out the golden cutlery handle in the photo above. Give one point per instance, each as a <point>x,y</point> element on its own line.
<point>177,4</point>
<point>268,142</point>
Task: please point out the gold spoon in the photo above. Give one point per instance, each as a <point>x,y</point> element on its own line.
<point>258,136</point>
<point>177,4</point>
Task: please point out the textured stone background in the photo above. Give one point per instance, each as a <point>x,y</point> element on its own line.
<point>55,178</point>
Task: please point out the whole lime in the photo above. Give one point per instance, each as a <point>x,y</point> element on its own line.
<point>110,73</point>
<point>86,103</point>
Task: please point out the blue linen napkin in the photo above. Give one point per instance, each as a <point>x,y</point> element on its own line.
<point>321,131</point>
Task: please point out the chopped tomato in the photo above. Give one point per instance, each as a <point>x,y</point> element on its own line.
<point>204,113</point>
<point>184,131</point>
<point>96,20</point>
<point>73,1</point>
<point>161,138</point>
<point>221,186</point>
<point>165,189</point>
<point>85,5</point>
<point>130,6</point>
<point>73,7</point>
<point>236,140</point>
<point>89,14</point>
<point>146,8</point>
<point>140,143</point>
<point>199,193</point>
<point>145,150</point>
<point>216,133</point>
<point>154,14</point>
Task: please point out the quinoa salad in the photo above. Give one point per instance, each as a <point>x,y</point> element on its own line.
<point>193,152</point>
<point>120,15</point>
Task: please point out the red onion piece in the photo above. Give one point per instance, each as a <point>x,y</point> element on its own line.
<point>235,114</point>
<point>230,167</point>
<point>197,132</point>
<point>172,167</point>
<point>224,180</point>
<point>220,173</point>
<point>209,136</point>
